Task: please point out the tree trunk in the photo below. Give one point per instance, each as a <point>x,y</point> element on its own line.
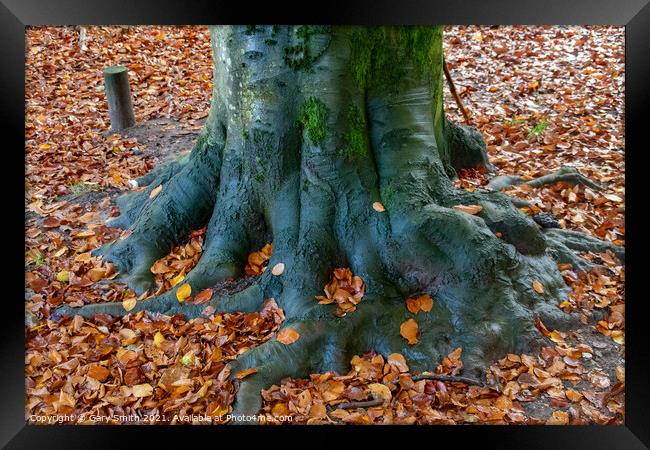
<point>309,126</point>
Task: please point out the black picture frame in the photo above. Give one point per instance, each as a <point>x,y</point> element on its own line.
<point>15,15</point>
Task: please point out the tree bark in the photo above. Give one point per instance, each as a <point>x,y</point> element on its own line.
<point>308,127</point>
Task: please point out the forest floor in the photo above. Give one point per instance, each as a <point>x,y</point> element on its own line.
<point>543,97</point>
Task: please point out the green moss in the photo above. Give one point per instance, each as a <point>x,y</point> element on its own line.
<point>379,54</point>
<point>299,56</point>
<point>313,118</point>
<point>270,41</point>
<point>80,188</point>
<point>355,138</point>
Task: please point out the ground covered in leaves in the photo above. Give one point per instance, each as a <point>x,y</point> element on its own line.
<point>543,97</point>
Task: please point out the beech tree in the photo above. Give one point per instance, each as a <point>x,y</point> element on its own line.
<point>332,143</point>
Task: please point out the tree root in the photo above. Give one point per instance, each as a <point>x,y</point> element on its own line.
<point>566,174</point>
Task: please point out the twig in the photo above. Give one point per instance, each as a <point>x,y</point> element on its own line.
<point>452,88</point>
<point>449,378</point>
<point>363,404</point>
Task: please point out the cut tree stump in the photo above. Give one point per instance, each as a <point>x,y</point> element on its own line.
<point>118,96</point>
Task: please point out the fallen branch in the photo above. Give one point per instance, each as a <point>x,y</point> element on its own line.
<point>454,94</point>
<point>449,378</point>
<point>361,404</point>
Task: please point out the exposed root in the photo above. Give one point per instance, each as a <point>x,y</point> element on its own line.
<point>184,204</point>
<point>566,174</point>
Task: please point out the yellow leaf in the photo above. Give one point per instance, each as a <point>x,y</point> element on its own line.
<point>158,339</point>
<point>142,390</point>
<point>377,206</point>
<point>409,331</point>
<point>288,336</point>
<point>183,292</point>
<point>618,336</point>
<point>556,337</point>
<point>469,209</point>
<point>129,303</point>
<point>155,191</point>
<point>278,269</point>
<point>539,288</point>
<point>63,276</point>
<point>45,146</point>
<point>177,279</point>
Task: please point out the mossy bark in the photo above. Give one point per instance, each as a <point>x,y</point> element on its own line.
<point>309,126</point>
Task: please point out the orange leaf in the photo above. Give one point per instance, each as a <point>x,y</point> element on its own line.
<point>541,327</point>
<point>202,297</point>
<point>539,288</point>
<point>288,336</point>
<point>99,373</point>
<point>469,209</point>
<point>413,305</point>
<point>426,302</point>
<point>244,373</point>
<point>409,331</point>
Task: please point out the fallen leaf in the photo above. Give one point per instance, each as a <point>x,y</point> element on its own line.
<point>142,390</point>
<point>129,303</point>
<point>397,360</point>
<point>409,331</point>
<point>99,373</point>
<point>244,373</point>
<point>278,269</point>
<point>155,191</point>
<point>539,288</point>
<point>380,391</point>
<point>158,339</point>
<point>183,292</point>
<point>469,209</point>
<point>288,336</point>
<point>202,297</point>
<point>63,276</point>
<point>377,206</point>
